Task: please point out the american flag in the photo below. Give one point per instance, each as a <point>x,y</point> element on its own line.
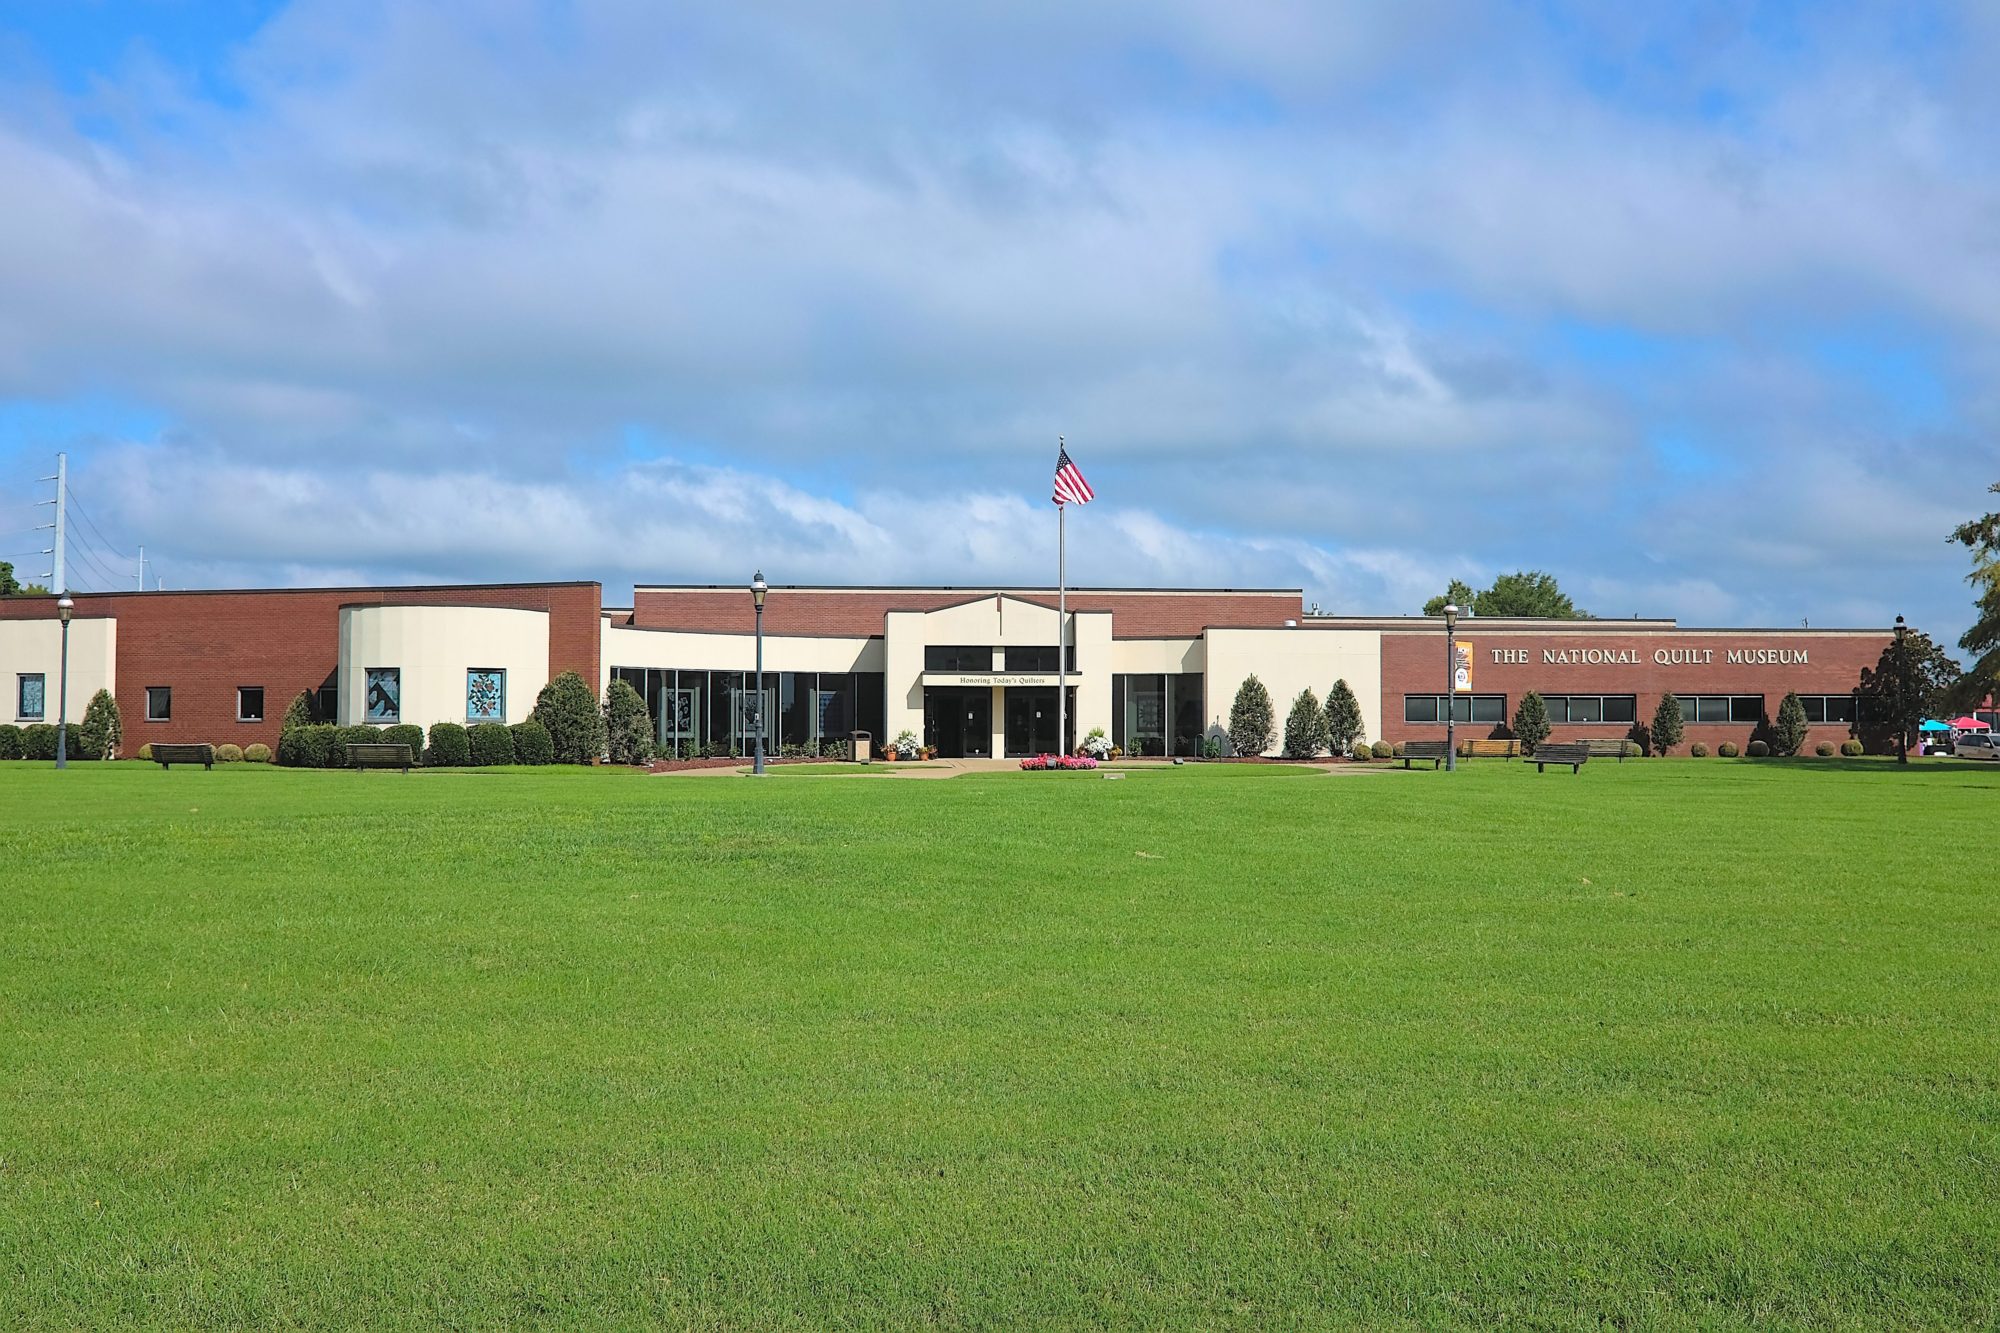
<point>1070,486</point>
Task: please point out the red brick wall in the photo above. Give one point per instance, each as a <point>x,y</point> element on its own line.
<point>1414,663</point>
<point>813,611</point>
<point>205,644</point>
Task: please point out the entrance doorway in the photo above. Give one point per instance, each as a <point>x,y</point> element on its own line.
<point>958,723</point>
<point>1031,720</point>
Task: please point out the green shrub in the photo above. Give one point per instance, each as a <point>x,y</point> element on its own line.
<point>99,734</point>
<point>146,753</point>
<point>1727,749</point>
<point>10,741</point>
<point>1250,718</point>
<point>1824,749</point>
<point>1667,728</point>
<point>1531,721</point>
<point>226,753</point>
<point>1699,750</point>
<point>1361,752</point>
<point>308,746</point>
<point>258,753</point>
<point>38,740</point>
<point>408,733</point>
<point>1382,750</point>
<point>450,746</point>
<point>1788,737</point>
<point>1758,749</point>
<point>1305,728</point>
<point>532,744</point>
<point>1851,748</point>
<point>567,708</point>
<point>346,736</point>
<point>628,730</point>
<point>1343,718</point>
<point>299,713</point>
<point>492,745</point>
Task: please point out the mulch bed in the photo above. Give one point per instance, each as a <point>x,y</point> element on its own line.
<point>740,761</point>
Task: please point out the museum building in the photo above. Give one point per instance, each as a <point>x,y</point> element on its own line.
<point>973,671</point>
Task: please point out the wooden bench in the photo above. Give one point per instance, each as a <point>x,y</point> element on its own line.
<point>1507,749</point>
<point>1573,753</point>
<point>1435,751</point>
<point>1610,749</point>
<point>166,756</point>
<point>378,756</point>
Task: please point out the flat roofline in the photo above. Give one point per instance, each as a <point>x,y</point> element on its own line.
<point>310,588</point>
<point>1522,624</point>
<point>975,589</point>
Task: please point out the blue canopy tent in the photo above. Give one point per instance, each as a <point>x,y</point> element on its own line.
<point>1932,724</point>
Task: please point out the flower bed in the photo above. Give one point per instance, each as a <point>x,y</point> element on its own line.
<point>1042,763</point>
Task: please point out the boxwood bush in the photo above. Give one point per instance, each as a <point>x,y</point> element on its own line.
<point>1382,750</point>
<point>38,740</point>
<point>308,746</point>
<point>346,736</point>
<point>532,744</point>
<point>410,734</point>
<point>146,753</point>
<point>450,747</point>
<point>492,745</point>
<point>1727,749</point>
<point>226,753</point>
<point>1699,750</point>
<point>10,741</point>
<point>1758,749</point>
<point>1851,748</point>
<point>1362,751</point>
<point>258,753</point>
<point>1824,749</point>
<point>567,708</point>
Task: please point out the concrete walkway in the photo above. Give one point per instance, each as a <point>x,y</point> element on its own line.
<point>951,768</point>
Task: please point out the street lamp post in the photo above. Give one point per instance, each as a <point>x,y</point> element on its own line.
<point>65,608</point>
<point>757,590</point>
<point>1902,695</point>
<point>1450,690</point>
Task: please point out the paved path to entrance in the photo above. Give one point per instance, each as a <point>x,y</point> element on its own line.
<point>951,768</point>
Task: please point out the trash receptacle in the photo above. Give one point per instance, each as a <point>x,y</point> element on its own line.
<point>859,747</point>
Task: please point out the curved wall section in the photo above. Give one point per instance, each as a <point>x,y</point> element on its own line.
<point>432,650</point>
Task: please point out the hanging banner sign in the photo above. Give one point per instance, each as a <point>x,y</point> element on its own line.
<point>1461,666</point>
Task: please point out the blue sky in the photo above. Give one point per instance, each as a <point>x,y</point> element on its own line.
<point>1694,306</point>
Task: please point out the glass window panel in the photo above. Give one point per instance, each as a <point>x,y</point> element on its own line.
<point>1558,707</point>
<point>1815,706</point>
<point>795,690</point>
<point>1185,700</point>
<point>1489,708</point>
<point>249,703</point>
<point>1420,708</point>
<point>1746,708</point>
<point>1461,709</point>
<point>1621,708</point>
<point>31,702</point>
<point>1145,714</point>
<point>1586,708</point>
<point>1118,711</point>
<point>486,694</point>
<point>965,657</point>
<point>382,695</point>
<point>870,702</point>
<point>159,703</point>
<point>1840,708</point>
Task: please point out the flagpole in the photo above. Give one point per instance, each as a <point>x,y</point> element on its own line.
<point>1062,623</point>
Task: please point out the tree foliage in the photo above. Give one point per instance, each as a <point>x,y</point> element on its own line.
<point>1343,718</point>
<point>102,729</point>
<point>1788,735</point>
<point>9,585</point>
<point>1250,718</point>
<point>627,728</point>
<point>1667,729</point>
<point>567,710</point>
<point>1982,537</point>
<point>1906,685</point>
<point>1305,727</point>
<point>1524,593</point>
<point>1531,720</point>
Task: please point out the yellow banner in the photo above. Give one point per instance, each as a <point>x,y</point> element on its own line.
<point>1461,666</point>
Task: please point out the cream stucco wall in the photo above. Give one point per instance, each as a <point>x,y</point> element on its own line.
<point>1290,660</point>
<point>35,646</point>
<point>1000,621</point>
<point>676,650</point>
<point>434,646</point>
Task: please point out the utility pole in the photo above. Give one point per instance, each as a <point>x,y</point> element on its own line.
<point>58,575</point>
<point>142,569</point>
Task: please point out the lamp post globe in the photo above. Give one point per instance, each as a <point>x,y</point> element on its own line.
<point>758,588</point>
<point>1450,690</point>
<point>65,608</point>
<point>1902,695</point>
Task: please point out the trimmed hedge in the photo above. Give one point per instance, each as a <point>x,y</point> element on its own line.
<point>1851,748</point>
<point>146,753</point>
<point>1362,752</point>
<point>407,733</point>
<point>346,736</point>
<point>259,753</point>
<point>1824,749</point>
<point>1758,749</point>
<point>1727,749</point>
<point>450,747</point>
<point>38,740</point>
<point>1382,750</point>
<point>10,741</point>
<point>567,708</point>
<point>1699,750</point>
<point>532,744</point>
<point>307,746</point>
<point>226,753</point>
<point>492,745</point>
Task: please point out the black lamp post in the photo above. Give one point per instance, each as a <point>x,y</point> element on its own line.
<point>1450,689</point>
<point>757,590</point>
<point>65,608</point>
<point>1902,695</point>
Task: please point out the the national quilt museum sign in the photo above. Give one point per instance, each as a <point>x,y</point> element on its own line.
<point>1658,656</point>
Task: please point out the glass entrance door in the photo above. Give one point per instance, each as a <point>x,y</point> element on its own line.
<point>1031,720</point>
<point>958,723</point>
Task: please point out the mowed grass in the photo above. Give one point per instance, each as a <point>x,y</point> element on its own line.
<point>1666,1043</point>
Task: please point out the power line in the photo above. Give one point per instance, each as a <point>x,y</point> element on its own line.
<point>81,513</point>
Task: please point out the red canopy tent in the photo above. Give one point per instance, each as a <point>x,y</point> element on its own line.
<point>1969,723</point>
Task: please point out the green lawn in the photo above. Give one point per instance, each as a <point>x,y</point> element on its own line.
<point>1666,1043</point>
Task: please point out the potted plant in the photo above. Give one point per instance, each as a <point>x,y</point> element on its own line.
<point>906,746</point>
<point>1096,745</point>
